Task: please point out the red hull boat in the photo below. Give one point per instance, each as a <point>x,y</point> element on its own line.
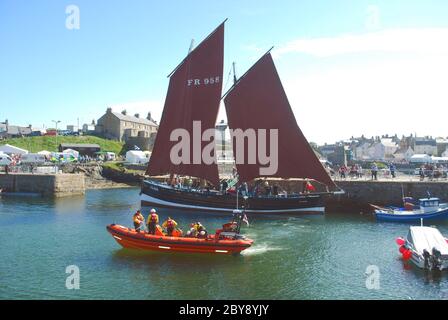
<point>129,238</point>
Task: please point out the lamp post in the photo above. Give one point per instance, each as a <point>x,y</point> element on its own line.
<point>56,124</point>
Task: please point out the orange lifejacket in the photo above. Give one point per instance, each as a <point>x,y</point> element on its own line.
<point>138,218</point>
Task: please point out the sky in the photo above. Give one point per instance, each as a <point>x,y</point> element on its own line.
<point>349,67</point>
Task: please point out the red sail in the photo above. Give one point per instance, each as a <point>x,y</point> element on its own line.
<point>194,94</point>
<point>258,101</point>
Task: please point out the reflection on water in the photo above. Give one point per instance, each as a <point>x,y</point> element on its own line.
<point>293,257</point>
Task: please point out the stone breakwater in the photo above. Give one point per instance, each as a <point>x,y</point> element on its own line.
<point>58,185</point>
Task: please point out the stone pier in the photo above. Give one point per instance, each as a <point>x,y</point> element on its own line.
<point>57,185</point>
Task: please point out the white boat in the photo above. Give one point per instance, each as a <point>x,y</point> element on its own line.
<point>426,247</point>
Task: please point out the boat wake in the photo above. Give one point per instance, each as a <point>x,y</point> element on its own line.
<point>260,249</point>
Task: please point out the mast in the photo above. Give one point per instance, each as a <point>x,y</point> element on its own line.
<point>234,72</point>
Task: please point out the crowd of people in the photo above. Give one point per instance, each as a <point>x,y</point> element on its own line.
<point>259,188</point>
<point>433,171</point>
<point>168,228</point>
<point>356,171</point>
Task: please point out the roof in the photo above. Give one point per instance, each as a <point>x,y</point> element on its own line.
<point>427,142</point>
<point>428,238</point>
<point>7,148</point>
<point>388,142</point>
<point>79,145</point>
<point>134,119</point>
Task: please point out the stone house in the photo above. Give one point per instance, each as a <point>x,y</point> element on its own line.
<point>122,127</point>
<point>425,146</point>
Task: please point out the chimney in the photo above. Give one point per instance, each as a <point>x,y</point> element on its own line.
<point>137,115</point>
<point>124,112</point>
<point>109,110</point>
<point>30,126</point>
<point>149,116</point>
<point>93,122</point>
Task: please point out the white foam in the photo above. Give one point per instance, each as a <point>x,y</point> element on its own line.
<point>260,249</point>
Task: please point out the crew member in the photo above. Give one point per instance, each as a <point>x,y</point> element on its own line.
<point>153,220</point>
<point>169,225</point>
<point>200,230</point>
<point>138,219</point>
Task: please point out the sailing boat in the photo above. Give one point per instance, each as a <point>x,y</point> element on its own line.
<point>256,101</point>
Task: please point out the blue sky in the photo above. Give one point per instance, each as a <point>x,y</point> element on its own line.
<point>340,61</point>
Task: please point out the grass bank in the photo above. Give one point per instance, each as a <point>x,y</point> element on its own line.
<point>51,143</point>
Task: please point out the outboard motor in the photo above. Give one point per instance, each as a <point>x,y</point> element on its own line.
<point>427,257</point>
<point>436,259</point>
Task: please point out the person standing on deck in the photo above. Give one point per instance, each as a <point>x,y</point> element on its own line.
<point>153,220</point>
<point>138,220</point>
<point>169,225</point>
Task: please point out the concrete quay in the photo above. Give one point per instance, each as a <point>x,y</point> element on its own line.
<point>57,185</point>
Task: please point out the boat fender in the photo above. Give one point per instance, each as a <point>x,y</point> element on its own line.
<point>400,241</point>
<point>402,249</point>
<point>407,255</point>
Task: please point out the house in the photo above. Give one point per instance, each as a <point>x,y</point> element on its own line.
<point>121,126</point>
<point>425,145</point>
<point>360,151</point>
<point>403,154</point>
<point>390,147</point>
<point>11,131</point>
<point>442,145</point>
<point>445,153</point>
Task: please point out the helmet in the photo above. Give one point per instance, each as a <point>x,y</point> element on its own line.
<point>153,210</point>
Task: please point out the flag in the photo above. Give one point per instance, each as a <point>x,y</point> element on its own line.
<point>245,220</point>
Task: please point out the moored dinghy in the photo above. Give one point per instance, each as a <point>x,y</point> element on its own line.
<point>426,247</point>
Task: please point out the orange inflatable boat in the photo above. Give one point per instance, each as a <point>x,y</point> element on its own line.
<point>220,243</point>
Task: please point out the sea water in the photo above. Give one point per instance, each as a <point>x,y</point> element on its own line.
<point>333,256</point>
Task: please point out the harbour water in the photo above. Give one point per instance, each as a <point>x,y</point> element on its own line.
<point>307,257</point>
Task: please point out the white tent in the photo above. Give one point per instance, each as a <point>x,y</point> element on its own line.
<point>440,159</point>
<point>9,149</point>
<point>72,152</point>
<point>421,158</point>
<point>45,153</point>
<point>136,157</point>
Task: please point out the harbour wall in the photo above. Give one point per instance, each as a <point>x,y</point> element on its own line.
<point>359,194</point>
<point>57,185</point>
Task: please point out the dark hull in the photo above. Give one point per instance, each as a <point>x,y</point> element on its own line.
<point>158,195</point>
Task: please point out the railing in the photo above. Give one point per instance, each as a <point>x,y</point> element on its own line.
<point>401,175</point>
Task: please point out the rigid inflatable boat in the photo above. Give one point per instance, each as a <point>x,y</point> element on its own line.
<point>222,242</point>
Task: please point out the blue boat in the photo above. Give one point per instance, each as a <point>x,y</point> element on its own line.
<point>427,209</point>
